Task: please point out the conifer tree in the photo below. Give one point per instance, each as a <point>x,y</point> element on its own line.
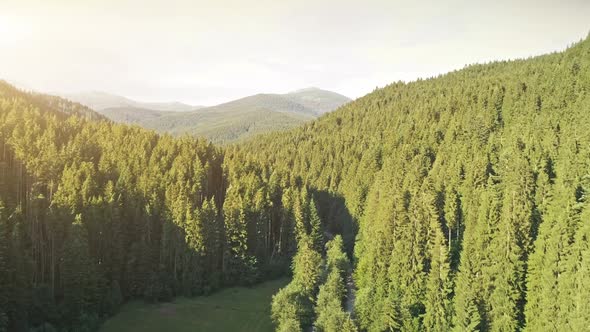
<point>316,233</point>
<point>574,287</point>
<point>438,305</point>
<point>79,275</point>
<point>330,315</point>
<point>546,264</point>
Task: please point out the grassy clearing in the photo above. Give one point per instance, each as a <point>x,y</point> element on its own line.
<point>234,309</point>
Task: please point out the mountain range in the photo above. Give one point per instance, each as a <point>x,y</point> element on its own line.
<point>226,122</point>
<point>99,101</point>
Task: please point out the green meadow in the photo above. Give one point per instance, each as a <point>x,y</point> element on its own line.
<point>233,309</point>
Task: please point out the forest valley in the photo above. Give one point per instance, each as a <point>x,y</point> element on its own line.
<point>458,201</point>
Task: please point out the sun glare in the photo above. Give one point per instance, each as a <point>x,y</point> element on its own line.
<point>12,30</point>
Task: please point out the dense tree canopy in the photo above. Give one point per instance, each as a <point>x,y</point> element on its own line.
<point>468,191</point>
<point>461,200</point>
<point>96,213</point>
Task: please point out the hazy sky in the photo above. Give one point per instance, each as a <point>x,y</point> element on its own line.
<point>206,52</point>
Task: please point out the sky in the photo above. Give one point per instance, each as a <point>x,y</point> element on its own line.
<point>208,52</point>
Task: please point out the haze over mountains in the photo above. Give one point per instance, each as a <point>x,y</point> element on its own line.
<point>229,121</point>
<point>99,101</point>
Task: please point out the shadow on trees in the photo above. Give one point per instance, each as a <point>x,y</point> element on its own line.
<point>336,217</point>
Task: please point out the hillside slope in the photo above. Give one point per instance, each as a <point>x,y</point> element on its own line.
<point>132,115</point>
<point>247,116</point>
<point>468,190</point>
<point>94,213</point>
<point>49,103</point>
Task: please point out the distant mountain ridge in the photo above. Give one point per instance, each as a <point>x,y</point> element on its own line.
<point>132,115</point>
<point>99,101</point>
<point>229,121</point>
<point>250,115</point>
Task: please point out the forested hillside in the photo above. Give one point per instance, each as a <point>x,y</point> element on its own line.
<point>461,200</point>
<point>94,213</point>
<point>132,115</point>
<point>470,195</point>
<point>49,103</point>
<point>228,122</point>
